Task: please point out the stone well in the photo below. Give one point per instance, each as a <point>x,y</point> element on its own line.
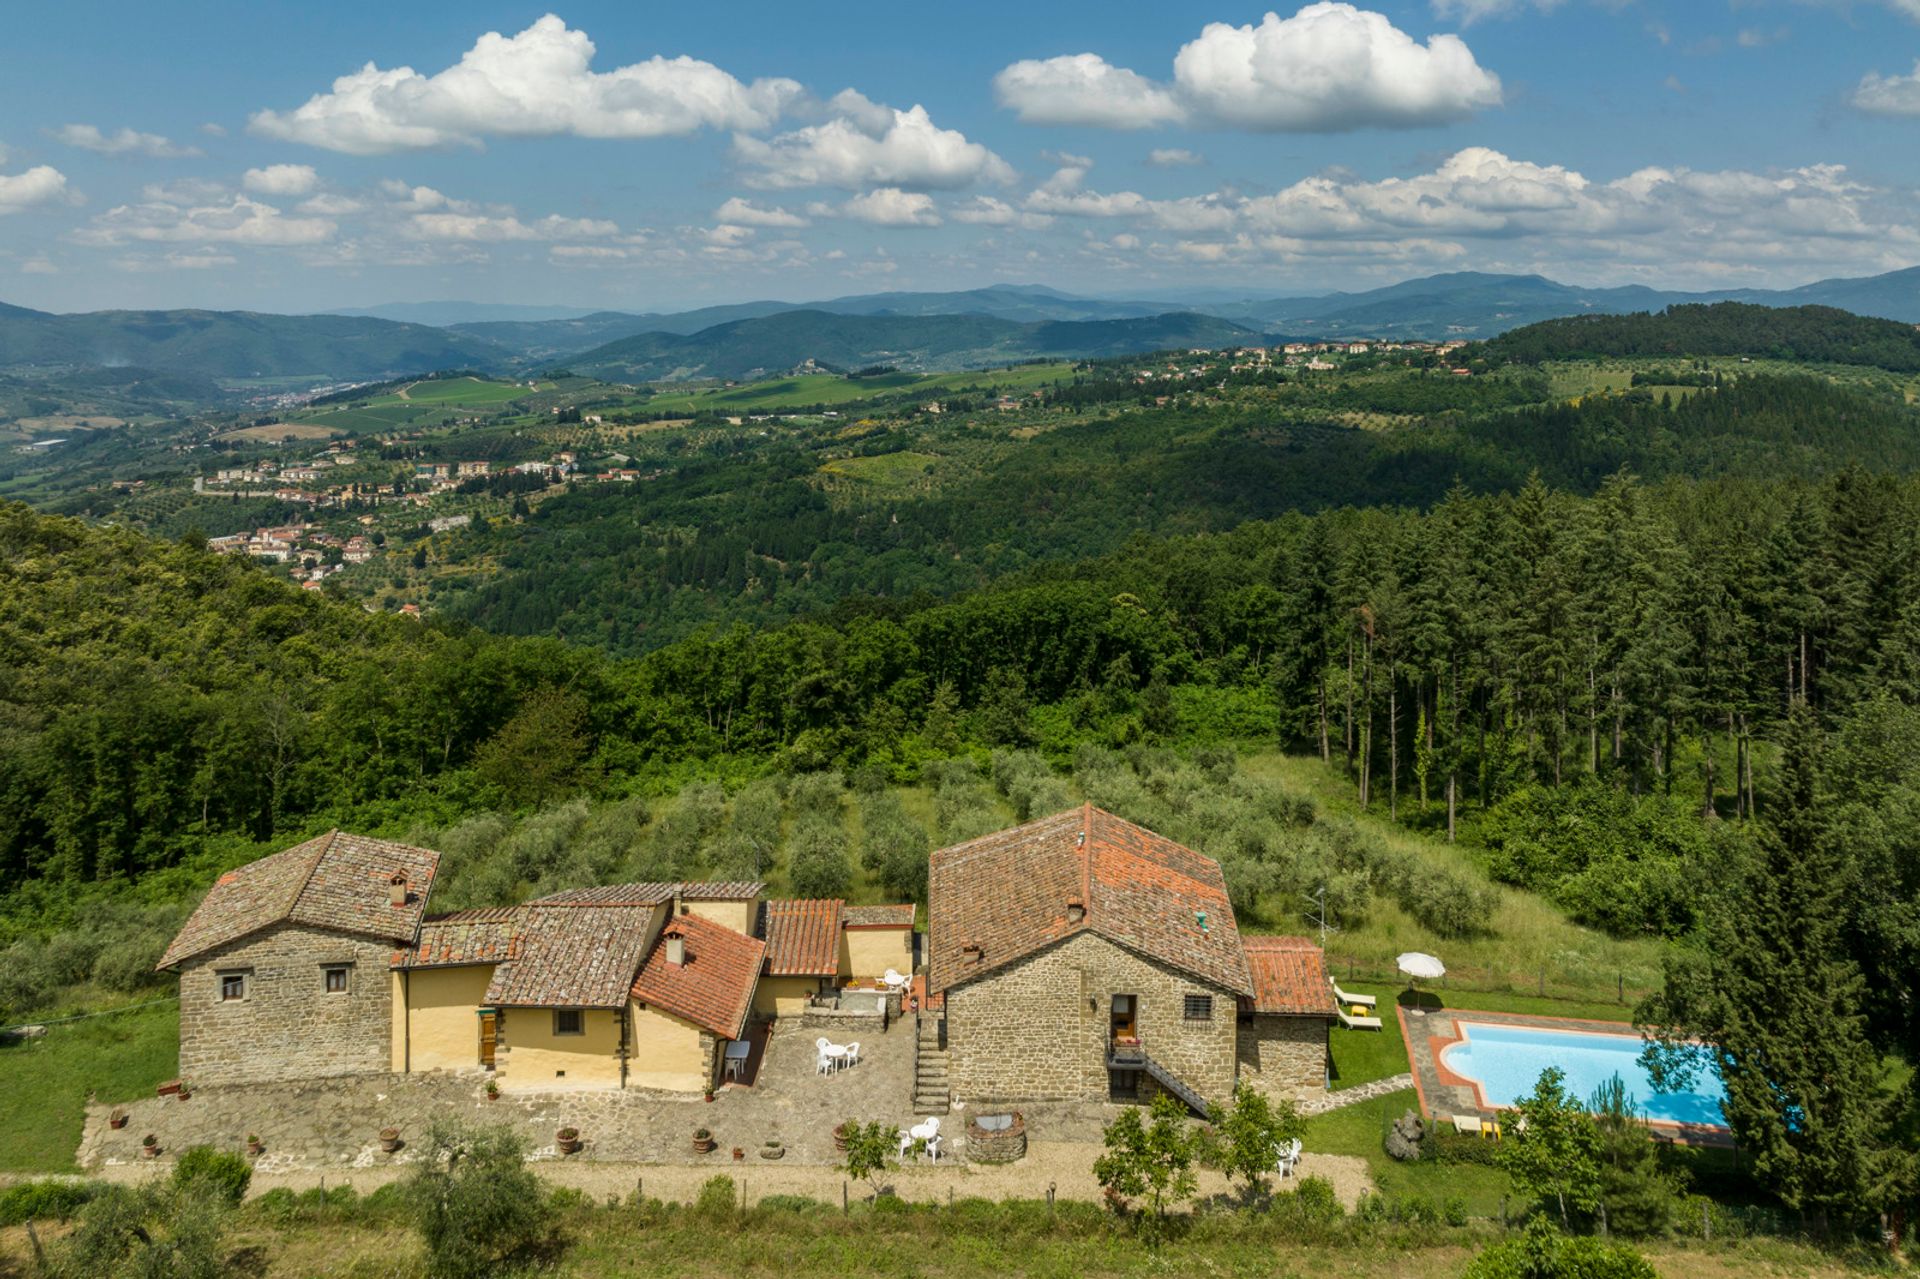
<point>996,1139</point>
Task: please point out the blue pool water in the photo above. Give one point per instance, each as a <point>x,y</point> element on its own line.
<point>1506,1061</point>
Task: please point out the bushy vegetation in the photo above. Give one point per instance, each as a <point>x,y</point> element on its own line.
<point>1820,334</point>
<point>477,1206</point>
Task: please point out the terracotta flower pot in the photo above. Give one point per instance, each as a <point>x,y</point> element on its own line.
<point>738,1154</point>
<point>702,1141</point>
<point>150,1148</point>
<point>840,1134</point>
<point>118,1119</point>
<point>389,1139</point>
<point>568,1140</point>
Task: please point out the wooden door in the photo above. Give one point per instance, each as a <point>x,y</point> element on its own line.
<point>489,1035</point>
<point>1125,1024</point>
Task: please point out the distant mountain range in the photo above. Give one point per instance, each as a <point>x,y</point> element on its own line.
<point>921,330</point>
<point>772,344</point>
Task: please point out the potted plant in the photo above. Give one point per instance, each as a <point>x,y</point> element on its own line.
<point>493,1090</point>
<point>118,1119</point>
<point>185,1092</point>
<point>772,1150</point>
<point>702,1141</point>
<point>709,1094</point>
<point>150,1146</point>
<point>253,1145</point>
<point>568,1139</point>
<point>389,1139</point>
<point>840,1132</point>
<point>738,1154</point>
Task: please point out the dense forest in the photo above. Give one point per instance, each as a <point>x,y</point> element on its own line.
<point>734,527</point>
<point>1818,334</point>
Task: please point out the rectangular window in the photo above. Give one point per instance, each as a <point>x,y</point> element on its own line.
<point>1199,1007</point>
<point>569,1021</point>
<point>233,986</point>
<point>334,979</point>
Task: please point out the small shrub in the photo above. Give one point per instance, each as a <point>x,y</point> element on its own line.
<point>569,1199</point>
<point>717,1197</point>
<point>50,1199</point>
<point>1373,1209</point>
<point>1416,1210</point>
<point>1544,1253</point>
<point>1313,1202</point>
<point>226,1175</point>
<point>790,1203</point>
<point>1453,1209</point>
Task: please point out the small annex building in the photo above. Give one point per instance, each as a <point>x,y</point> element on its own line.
<point>1082,957</point>
<point>284,964</point>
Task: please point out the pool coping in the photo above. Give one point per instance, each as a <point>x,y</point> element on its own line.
<point>1434,1083</point>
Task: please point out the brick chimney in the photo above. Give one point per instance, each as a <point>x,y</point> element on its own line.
<point>1076,910</point>
<point>397,889</point>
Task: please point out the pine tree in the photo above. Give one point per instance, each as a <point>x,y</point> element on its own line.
<point>1778,1000</point>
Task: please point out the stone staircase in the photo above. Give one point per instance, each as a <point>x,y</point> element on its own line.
<point>931,1093</point>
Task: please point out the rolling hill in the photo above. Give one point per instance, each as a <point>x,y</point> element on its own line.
<point>238,344</point>
<point>774,343</point>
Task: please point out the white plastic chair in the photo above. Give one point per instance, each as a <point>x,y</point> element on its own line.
<point>822,1062</point>
<point>1290,1157</point>
<point>853,1054</point>
<point>894,980</point>
<point>933,1148</point>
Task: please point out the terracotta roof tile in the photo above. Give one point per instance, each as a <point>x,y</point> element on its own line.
<point>713,988</point>
<point>1009,894</point>
<point>900,916</point>
<point>803,937</point>
<point>572,957</point>
<point>1289,976</point>
<point>484,936</point>
<point>337,881</point>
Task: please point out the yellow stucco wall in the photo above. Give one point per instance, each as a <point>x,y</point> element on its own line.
<point>869,952</point>
<point>735,915</point>
<point>443,1021</point>
<point>783,996</point>
<point>666,1053</point>
<point>533,1056</point>
<point>397,1031</point>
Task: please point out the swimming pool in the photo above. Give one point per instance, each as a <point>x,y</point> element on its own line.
<point>1506,1061</point>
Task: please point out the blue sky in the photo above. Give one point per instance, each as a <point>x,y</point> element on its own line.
<point>644,156</point>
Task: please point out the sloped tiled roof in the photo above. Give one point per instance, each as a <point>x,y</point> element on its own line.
<point>337,881</point>
<point>713,988</point>
<point>900,916</point>
<point>1289,976</point>
<point>483,936</point>
<point>1008,893</point>
<point>653,893</point>
<point>803,937</point>
<point>572,957</point>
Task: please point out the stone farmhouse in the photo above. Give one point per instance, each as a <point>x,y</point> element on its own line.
<point>1082,957</point>
<point>1077,957</point>
<point>321,961</point>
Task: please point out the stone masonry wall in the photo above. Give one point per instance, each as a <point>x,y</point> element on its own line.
<point>1284,1056</point>
<point>287,1027</point>
<point>1037,1030</point>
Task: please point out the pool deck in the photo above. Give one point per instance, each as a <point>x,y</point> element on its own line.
<point>1443,1094</point>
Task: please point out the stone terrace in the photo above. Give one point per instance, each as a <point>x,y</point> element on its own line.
<point>335,1123</point>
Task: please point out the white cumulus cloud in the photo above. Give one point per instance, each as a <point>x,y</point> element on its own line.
<point>236,219</point>
<point>483,228</point>
<point>1084,88</point>
<point>42,184</point>
<point>985,210</point>
<point>746,213</point>
<point>1329,68</point>
<point>1174,158</point>
<point>281,179</point>
<point>89,137</point>
<point>1895,95</point>
<point>890,206</point>
<point>539,83</point>
<point>864,145</point>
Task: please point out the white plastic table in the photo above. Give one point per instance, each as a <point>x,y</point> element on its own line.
<point>738,1050</point>
<point>836,1055</point>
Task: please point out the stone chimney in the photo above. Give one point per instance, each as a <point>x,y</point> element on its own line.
<point>676,949</point>
<point>970,952</point>
<point>397,889</point>
<point>1076,910</point>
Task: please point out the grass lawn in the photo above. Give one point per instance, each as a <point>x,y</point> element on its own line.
<point>116,1058</point>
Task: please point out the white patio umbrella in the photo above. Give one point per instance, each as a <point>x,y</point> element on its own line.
<point>1417,964</point>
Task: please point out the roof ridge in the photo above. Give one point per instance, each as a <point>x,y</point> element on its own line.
<point>300,886</point>
<point>1086,864</point>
